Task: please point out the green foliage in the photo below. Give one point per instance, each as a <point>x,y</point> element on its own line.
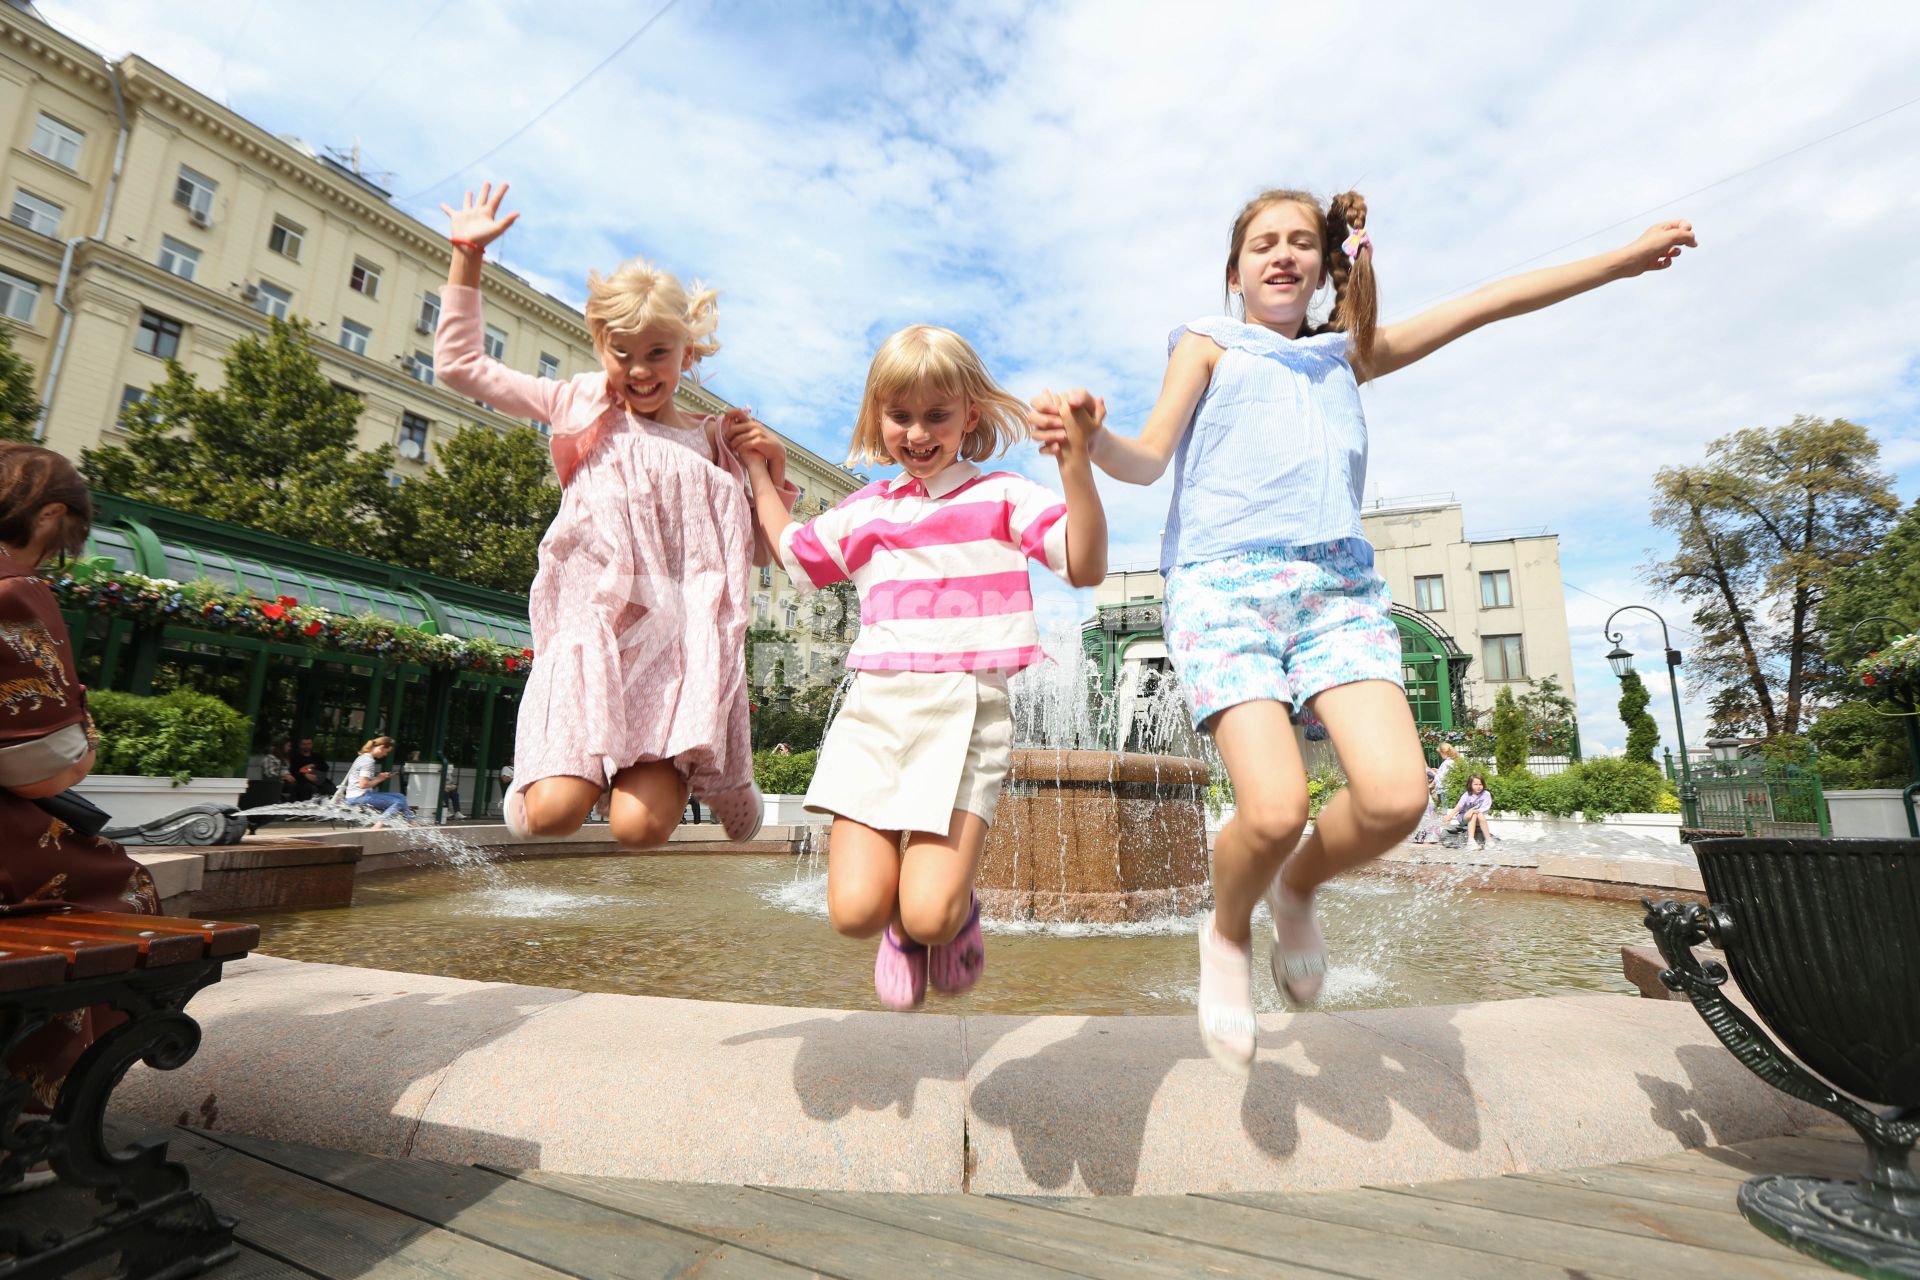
<point>795,717</point>
<point>1595,787</point>
<point>1886,584</point>
<point>1520,791</point>
<point>1550,716</point>
<point>274,448</point>
<point>1509,732</point>
<point>180,735</point>
<point>1859,746</point>
<point>1763,529</point>
<point>480,513</point>
<point>784,775</point>
<point>19,407</point>
<point>1643,735</point>
<point>1323,784</point>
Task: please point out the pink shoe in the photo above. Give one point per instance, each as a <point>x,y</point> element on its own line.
<point>900,972</point>
<point>740,812</point>
<point>952,967</point>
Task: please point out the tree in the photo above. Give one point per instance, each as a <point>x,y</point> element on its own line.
<point>1643,735</point>
<point>19,407</point>
<point>273,449</point>
<point>480,514</point>
<point>1872,744</point>
<point>1509,733</point>
<point>1550,716</point>
<point>1760,531</point>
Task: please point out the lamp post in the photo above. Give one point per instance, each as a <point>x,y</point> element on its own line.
<point>1621,660</point>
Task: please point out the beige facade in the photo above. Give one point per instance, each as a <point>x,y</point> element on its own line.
<point>148,221</point>
<point>1500,600</point>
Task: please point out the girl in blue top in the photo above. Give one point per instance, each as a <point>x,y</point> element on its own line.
<point>1272,601</point>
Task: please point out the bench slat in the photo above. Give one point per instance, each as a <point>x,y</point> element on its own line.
<point>24,967</point>
<point>87,957</point>
<point>158,948</point>
<point>221,938</point>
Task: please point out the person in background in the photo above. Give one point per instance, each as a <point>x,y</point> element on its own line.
<point>365,775</point>
<point>1429,829</point>
<point>1476,802</point>
<point>312,775</point>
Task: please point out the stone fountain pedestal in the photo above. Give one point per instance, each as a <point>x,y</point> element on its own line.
<point>1097,836</point>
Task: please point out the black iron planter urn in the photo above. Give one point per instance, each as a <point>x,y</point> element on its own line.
<point>1823,937</point>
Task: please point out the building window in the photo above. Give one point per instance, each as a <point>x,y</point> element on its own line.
<point>549,366</point>
<point>178,259</point>
<point>793,615</point>
<point>413,437</point>
<point>286,238</point>
<point>194,193</point>
<point>429,319</point>
<point>496,343</point>
<point>1496,590</point>
<point>35,214</point>
<point>354,337</point>
<point>57,142</point>
<point>364,278</point>
<point>133,405</point>
<point>158,336</point>
<point>272,300</point>
<point>422,367</point>
<point>1430,594</point>
<point>1502,657</point>
<point>766,575</point>
<point>19,299</point>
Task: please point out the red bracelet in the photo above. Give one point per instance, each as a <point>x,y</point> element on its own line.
<point>479,249</point>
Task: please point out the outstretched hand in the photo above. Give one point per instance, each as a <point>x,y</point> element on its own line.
<point>1658,246</point>
<point>1065,424</point>
<point>479,220</point>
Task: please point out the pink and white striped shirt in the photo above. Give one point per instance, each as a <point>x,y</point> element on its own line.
<point>941,567</point>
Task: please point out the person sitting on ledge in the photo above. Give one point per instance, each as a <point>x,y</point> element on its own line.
<point>1476,802</point>
<point>366,774</point>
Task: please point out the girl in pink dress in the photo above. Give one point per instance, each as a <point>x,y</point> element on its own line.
<point>640,604</point>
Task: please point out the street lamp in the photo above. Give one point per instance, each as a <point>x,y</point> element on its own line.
<point>1725,750</point>
<point>1621,660</point>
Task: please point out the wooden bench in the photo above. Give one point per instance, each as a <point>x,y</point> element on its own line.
<point>54,961</point>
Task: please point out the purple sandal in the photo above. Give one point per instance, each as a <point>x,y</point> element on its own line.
<point>900,972</point>
<point>954,966</point>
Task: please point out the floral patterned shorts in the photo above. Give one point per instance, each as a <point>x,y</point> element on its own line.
<point>1279,624</point>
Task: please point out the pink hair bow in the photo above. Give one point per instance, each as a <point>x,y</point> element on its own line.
<point>1354,243</point>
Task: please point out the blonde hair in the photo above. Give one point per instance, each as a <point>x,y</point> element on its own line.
<point>925,355</point>
<point>639,295</point>
<point>1446,749</point>
<point>366,748</point>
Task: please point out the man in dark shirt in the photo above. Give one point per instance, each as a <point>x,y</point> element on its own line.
<point>312,775</point>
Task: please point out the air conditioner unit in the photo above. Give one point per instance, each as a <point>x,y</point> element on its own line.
<point>200,217</point>
<point>411,449</point>
<point>249,291</point>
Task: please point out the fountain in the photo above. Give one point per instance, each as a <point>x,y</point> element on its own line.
<point>1088,830</point>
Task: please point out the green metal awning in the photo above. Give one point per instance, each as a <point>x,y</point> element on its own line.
<point>161,543</point>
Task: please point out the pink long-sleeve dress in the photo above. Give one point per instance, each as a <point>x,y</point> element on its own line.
<point>640,604</point>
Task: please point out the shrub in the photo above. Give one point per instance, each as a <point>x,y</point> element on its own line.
<point>1322,785</point>
<point>788,775</point>
<point>178,735</point>
<point>1518,792</point>
<point>1606,785</point>
<point>1509,733</point>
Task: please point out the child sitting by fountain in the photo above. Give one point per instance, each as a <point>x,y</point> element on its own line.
<point>639,606</point>
<point>912,764</point>
<point>1272,600</point>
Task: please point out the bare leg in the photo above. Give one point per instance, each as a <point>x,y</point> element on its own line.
<point>558,806</point>
<point>936,879</point>
<point>1373,732</point>
<point>863,878</point>
<point>1257,744</point>
<point>645,805</point>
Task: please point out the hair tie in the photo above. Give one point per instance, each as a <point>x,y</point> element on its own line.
<point>1356,240</point>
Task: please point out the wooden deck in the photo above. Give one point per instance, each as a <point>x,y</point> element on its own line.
<point>309,1212</point>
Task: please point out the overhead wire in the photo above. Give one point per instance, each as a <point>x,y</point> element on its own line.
<point>400,50</point>
<point>544,111</point>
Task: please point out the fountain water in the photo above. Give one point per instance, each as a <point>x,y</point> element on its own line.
<point>1103,816</point>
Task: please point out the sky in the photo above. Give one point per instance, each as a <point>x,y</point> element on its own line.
<point>1057,181</point>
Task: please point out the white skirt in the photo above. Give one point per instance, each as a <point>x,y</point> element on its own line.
<point>909,747</point>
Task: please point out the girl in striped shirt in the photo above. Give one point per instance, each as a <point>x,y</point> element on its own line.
<point>912,765</point>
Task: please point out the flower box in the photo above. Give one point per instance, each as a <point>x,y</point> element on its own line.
<point>134,801</point>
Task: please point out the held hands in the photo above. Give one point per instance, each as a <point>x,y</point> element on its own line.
<point>1657,247</point>
<point>479,220</point>
<point>1066,425</point>
<point>752,440</point>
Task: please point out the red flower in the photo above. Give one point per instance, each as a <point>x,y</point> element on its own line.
<point>274,611</point>
<point>526,653</point>
<point>1867,679</point>
<point>312,628</point>
<point>513,664</point>
<point>287,602</point>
